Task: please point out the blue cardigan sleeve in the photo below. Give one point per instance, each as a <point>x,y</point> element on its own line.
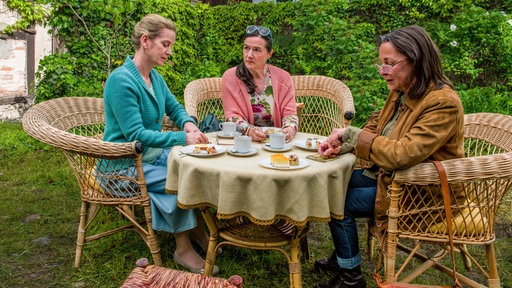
<point>132,113</point>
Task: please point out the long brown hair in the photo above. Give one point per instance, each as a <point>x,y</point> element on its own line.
<point>415,43</point>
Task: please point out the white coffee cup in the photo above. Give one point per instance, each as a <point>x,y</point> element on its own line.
<point>242,144</point>
<point>228,128</point>
<point>277,140</point>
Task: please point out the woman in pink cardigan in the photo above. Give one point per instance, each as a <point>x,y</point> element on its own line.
<point>256,94</point>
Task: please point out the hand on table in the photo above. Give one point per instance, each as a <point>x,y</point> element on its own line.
<point>333,145</point>
<point>194,136</point>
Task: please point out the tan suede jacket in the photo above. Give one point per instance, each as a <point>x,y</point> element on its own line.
<point>427,129</point>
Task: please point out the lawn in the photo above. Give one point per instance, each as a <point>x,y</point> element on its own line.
<point>39,214</point>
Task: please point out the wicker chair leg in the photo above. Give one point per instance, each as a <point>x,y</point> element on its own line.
<point>80,240</point>
<point>294,265</point>
<point>370,246</point>
<point>465,257</point>
<point>214,238</point>
<point>494,278</point>
<point>152,239</point>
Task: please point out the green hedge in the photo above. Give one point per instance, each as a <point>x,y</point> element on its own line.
<point>336,38</point>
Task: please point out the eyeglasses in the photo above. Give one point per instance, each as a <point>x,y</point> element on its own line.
<point>262,30</point>
<point>386,68</point>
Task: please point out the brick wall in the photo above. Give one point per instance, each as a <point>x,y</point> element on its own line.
<point>19,59</point>
<point>13,72</point>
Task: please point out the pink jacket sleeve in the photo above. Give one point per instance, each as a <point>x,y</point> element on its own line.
<point>235,99</point>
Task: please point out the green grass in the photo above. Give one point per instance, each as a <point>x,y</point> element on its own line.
<point>39,214</point>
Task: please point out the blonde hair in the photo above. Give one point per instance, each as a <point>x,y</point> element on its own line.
<point>151,25</point>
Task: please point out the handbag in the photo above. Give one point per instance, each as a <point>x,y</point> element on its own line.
<point>447,203</point>
<point>210,123</point>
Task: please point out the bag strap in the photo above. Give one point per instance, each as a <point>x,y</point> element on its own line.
<point>447,205</point>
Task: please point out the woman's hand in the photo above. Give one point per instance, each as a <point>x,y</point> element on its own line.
<point>194,136</point>
<point>289,132</point>
<point>332,146</point>
<point>256,134</point>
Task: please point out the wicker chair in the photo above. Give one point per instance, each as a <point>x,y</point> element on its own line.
<point>324,103</point>
<point>75,124</point>
<point>153,276</point>
<point>417,214</point>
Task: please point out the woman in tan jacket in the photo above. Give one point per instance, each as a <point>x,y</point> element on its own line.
<point>422,120</point>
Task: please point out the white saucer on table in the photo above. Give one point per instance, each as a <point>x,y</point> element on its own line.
<point>302,144</point>
<point>221,134</point>
<point>251,152</point>
<point>286,147</point>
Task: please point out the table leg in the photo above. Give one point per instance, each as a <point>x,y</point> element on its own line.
<point>214,238</point>
<point>295,266</point>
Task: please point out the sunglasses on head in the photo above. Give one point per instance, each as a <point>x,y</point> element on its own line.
<point>261,30</point>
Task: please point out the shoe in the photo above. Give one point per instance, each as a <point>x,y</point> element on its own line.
<point>180,262</point>
<point>348,278</point>
<point>328,264</point>
<point>202,244</point>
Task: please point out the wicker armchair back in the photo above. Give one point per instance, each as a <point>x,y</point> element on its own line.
<point>75,124</point>
<point>323,103</point>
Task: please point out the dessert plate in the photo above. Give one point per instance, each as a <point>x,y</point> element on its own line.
<point>286,147</point>
<point>189,150</point>
<point>221,134</point>
<point>302,144</point>
<point>233,152</point>
<point>265,162</point>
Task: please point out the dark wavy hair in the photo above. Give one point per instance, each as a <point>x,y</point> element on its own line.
<point>241,70</point>
<point>415,43</point>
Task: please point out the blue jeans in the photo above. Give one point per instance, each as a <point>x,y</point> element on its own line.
<point>359,203</point>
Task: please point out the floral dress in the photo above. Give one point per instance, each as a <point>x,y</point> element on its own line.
<point>262,106</point>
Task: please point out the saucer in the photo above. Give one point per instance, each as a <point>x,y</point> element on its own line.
<point>233,152</point>
<point>286,147</point>
<point>302,144</point>
<point>228,135</point>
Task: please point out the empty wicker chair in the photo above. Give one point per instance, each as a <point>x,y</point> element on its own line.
<point>324,103</point>
<point>75,124</point>
<point>417,211</point>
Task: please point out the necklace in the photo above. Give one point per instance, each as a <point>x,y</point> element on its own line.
<point>265,82</point>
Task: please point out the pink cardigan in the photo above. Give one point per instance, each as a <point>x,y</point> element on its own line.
<point>235,98</point>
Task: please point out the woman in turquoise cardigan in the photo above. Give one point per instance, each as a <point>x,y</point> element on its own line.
<point>136,98</point>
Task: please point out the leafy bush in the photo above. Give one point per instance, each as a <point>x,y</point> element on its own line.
<point>336,38</point>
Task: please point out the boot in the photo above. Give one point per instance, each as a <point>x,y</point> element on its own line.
<point>347,278</point>
<point>328,264</point>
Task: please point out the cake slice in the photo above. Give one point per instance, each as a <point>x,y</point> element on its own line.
<point>279,160</point>
<point>200,148</point>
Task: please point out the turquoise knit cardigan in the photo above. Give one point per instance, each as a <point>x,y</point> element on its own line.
<point>132,113</point>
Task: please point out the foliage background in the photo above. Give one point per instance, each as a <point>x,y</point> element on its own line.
<point>336,38</point>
